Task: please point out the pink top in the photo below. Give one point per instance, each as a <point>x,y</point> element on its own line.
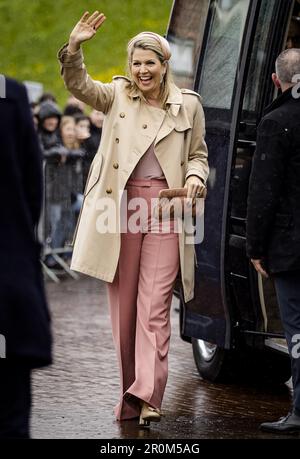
<point>148,167</point>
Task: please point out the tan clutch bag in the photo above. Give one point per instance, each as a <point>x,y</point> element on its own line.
<point>173,203</point>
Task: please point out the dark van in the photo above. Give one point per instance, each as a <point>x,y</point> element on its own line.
<point>226,51</point>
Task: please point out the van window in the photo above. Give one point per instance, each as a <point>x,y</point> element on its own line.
<point>293,38</point>
<point>223,52</point>
<point>185,36</point>
<point>259,61</point>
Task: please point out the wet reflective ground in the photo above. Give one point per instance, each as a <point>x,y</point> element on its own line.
<point>74,398</point>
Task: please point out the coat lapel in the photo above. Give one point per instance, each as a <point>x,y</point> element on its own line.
<point>161,124</point>
<point>153,119</point>
<point>167,126</point>
<point>174,101</point>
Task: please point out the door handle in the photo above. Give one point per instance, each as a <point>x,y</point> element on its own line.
<point>246,144</point>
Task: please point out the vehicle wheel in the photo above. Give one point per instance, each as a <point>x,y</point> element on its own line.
<point>244,365</point>
<point>213,362</point>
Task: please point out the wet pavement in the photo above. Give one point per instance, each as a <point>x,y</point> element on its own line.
<point>74,398</point>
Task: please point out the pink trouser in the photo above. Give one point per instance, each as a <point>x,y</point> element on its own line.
<point>140,298</point>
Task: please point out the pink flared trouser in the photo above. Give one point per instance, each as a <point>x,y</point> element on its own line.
<point>140,297</point>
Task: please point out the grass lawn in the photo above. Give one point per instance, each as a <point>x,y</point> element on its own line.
<point>33,31</point>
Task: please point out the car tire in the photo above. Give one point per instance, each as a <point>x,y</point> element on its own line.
<point>255,366</point>
<point>213,362</point>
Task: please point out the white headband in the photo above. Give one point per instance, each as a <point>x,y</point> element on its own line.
<point>165,47</point>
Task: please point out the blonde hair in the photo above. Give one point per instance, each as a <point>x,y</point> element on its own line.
<point>147,42</point>
<point>64,121</point>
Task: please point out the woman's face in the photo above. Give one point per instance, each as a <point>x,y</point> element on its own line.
<point>83,129</point>
<point>147,72</point>
<point>68,132</point>
<point>51,124</point>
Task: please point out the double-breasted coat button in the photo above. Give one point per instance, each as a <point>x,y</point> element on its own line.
<point>115,165</point>
<point>182,163</point>
<point>145,126</point>
<point>117,140</point>
<point>109,191</point>
<point>122,115</point>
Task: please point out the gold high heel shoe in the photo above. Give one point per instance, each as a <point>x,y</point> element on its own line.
<point>149,414</point>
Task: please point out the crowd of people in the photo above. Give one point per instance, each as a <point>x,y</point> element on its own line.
<point>69,140</point>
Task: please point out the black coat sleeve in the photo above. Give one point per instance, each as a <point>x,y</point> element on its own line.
<point>266,185</point>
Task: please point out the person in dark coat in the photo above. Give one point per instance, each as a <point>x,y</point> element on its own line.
<point>24,318</point>
<point>273,217</point>
<point>97,119</point>
<point>49,118</point>
<point>89,131</point>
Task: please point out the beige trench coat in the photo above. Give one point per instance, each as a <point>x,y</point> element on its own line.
<point>130,127</point>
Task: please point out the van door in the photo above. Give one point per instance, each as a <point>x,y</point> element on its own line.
<point>253,299</point>
<point>233,28</point>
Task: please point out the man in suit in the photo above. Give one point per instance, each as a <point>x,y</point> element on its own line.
<point>24,317</point>
<point>273,218</point>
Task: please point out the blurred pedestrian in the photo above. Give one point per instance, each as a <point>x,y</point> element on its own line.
<point>63,185</point>
<point>24,316</point>
<point>87,140</point>
<point>35,114</point>
<point>97,119</point>
<point>47,97</point>
<point>273,218</point>
<point>82,127</point>
<point>153,139</point>
<point>74,106</point>
<point>49,119</point>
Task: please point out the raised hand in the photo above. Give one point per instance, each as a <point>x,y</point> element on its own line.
<point>85,29</point>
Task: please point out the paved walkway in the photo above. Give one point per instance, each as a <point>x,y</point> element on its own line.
<point>74,398</point>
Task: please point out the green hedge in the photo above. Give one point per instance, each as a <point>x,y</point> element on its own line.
<point>33,31</point>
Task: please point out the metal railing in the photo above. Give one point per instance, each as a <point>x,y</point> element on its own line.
<point>63,188</point>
